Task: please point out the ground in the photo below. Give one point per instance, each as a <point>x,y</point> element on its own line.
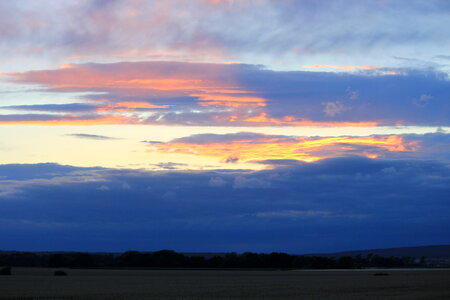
<point>34,283</point>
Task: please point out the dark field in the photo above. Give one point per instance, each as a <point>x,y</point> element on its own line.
<point>27,283</point>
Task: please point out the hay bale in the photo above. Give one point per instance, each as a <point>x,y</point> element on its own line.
<point>5,271</point>
<point>60,273</point>
<point>380,274</point>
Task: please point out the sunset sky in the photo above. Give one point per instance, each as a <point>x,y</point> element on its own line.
<point>224,125</point>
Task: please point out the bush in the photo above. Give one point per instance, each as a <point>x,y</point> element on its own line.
<point>57,260</point>
<point>60,273</point>
<point>5,271</point>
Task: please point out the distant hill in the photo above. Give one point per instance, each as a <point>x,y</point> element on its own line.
<point>430,252</point>
<point>206,255</point>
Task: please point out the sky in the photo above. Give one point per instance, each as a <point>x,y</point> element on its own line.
<point>296,126</point>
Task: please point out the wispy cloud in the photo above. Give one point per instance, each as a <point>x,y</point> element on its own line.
<point>170,165</point>
<point>91,136</point>
<point>63,120</point>
<point>54,108</point>
<point>224,30</point>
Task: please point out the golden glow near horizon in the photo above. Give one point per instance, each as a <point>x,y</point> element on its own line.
<point>299,148</point>
<point>123,145</point>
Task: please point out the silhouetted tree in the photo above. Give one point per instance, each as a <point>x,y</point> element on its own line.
<point>216,262</point>
<point>280,260</point>
<point>168,258</point>
<point>57,261</point>
<point>82,260</point>
<point>129,259</point>
<point>231,260</point>
<point>197,262</point>
<point>345,262</point>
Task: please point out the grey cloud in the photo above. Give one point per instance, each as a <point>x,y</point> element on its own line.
<point>91,136</point>
<point>169,165</point>
<point>72,107</point>
<point>217,182</point>
<point>241,182</point>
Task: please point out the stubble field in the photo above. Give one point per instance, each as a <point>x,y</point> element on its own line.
<point>28,283</point>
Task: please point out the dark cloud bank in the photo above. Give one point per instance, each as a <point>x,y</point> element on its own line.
<point>330,205</point>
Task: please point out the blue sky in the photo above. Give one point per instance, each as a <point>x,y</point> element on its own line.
<point>224,125</point>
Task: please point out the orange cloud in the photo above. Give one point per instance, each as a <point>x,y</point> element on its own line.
<point>127,106</point>
<point>155,76</point>
<point>263,120</point>
<point>212,84</point>
<point>165,84</point>
<point>192,86</point>
<point>299,148</point>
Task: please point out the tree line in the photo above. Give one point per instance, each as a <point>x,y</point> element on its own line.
<point>172,259</point>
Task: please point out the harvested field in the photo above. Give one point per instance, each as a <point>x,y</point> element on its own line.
<point>28,283</point>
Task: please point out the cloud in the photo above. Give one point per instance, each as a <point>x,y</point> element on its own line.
<point>152,142</point>
<point>16,176</point>
<point>292,214</point>
<point>201,94</point>
<point>63,120</point>
<point>231,159</point>
<point>279,150</point>
<point>444,57</point>
<point>241,182</point>
<point>259,147</point>
<point>130,106</point>
<point>330,205</point>
<point>103,188</point>
<point>224,30</point>
<point>423,100</point>
<point>58,108</point>
<point>334,108</point>
<point>347,68</point>
<point>149,63</point>
<point>212,138</point>
<point>91,136</point>
<point>169,165</point>
<point>217,182</point>
<point>38,171</point>
<point>352,94</point>
<point>264,120</point>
